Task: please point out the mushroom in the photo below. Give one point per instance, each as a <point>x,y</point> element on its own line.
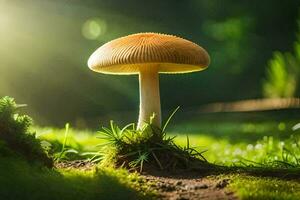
<point>148,54</point>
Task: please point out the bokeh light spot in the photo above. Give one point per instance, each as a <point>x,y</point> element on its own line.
<point>281,126</point>
<point>93,28</point>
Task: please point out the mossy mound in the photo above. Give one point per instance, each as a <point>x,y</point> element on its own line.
<point>15,137</point>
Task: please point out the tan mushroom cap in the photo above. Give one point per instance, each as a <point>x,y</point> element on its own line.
<point>129,54</point>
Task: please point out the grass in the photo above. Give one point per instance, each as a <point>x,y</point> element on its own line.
<point>257,156</point>
<point>264,166</point>
<point>149,147</point>
<point>266,151</point>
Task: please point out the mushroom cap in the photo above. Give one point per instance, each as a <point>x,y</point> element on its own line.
<point>147,51</point>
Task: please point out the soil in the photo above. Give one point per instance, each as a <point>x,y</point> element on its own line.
<point>179,185</point>
<point>77,164</point>
<point>185,188</point>
<point>190,185</point>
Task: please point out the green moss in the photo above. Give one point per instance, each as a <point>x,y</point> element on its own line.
<point>265,188</point>
<point>19,180</point>
<point>15,138</point>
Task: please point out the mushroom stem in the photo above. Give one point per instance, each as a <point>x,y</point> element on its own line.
<point>149,97</point>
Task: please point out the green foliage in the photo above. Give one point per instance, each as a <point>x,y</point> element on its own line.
<point>149,145</point>
<point>15,137</point>
<point>282,76</point>
<point>282,73</point>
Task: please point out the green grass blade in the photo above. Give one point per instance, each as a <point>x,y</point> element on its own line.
<point>64,142</point>
<point>169,119</point>
<point>126,127</point>
<point>187,142</point>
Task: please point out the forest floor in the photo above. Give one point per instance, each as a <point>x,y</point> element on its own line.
<point>258,152</point>
<point>231,183</point>
<point>180,185</point>
<point>260,159</point>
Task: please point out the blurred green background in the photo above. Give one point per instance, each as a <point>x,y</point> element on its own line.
<point>44,47</point>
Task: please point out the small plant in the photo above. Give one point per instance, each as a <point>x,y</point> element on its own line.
<point>15,138</point>
<point>63,154</point>
<point>147,148</point>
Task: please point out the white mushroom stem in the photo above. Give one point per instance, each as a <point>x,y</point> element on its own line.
<point>149,97</point>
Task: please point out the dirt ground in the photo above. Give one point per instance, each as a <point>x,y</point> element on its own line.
<point>191,188</point>
<point>176,186</point>
<point>77,164</point>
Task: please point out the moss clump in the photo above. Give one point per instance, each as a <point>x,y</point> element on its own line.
<point>251,187</point>
<point>21,180</point>
<point>15,138</point>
